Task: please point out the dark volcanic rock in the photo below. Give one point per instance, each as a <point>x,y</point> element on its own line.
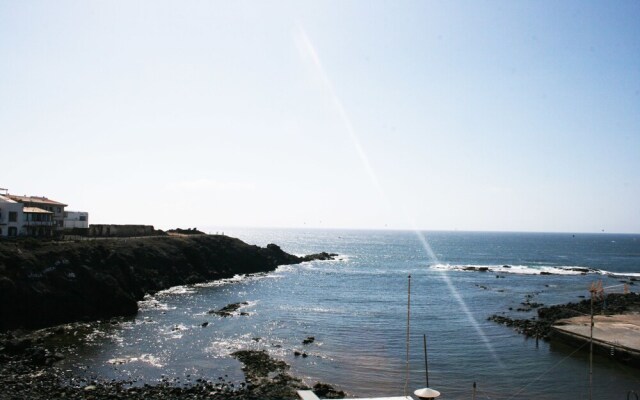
<point>267,378</point>
<point>325,391</point>
<point>229,309</point>
<point>478,269</point>
<point>188,231</point>
<point>44,283</point>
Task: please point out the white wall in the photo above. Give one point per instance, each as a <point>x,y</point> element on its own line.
<point>7,206</point>
<point>76,219</point>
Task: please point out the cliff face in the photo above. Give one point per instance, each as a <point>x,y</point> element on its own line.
<point>47,283</point>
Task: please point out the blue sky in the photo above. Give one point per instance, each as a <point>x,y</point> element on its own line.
<point>479,115</point>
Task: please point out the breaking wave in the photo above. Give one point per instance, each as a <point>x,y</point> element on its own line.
<point>532,270</point>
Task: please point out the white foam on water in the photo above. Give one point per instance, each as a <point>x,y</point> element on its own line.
<point>221,282</point>
<point>182,289</point>
<point>151,360</point>
<point>622,274</point>
<point>122,360</point>
<point>238,278</point>
<point>223,347</point>
<point>144,358</point>
<point>151,303</point>
<point>175,331</point>
<point>521,269</point>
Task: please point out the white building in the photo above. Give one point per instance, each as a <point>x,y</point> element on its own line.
<point>36,216</point>
<point>11,217</point>
<point>76,219</point>
<point>54,207</point>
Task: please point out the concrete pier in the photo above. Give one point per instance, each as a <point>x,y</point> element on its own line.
<point>615,335</point>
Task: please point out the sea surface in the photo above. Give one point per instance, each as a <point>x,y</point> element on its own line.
<point>356,308</point>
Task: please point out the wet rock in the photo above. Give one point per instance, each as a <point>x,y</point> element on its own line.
<point>17,346</point>
<point>37,355</point>
<point>326,391</point>
<point>267,377</point>
<point>478,269</point>
<point>229,309</point>
<point>309,340</point>
<point>320,256</point>
<point>580,269</point>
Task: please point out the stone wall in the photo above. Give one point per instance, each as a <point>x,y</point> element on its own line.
<point>103,230</point>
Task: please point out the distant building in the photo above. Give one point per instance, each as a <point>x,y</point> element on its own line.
<point>11,216</point>
<point>37,216</point>
<point>38,222</point>
<point>56,208</point>
<point>76,219</point>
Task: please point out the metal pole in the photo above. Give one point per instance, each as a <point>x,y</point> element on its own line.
<point>426,364</point>
<point>591,352</point>
<point>474,391</point>
<point>406,382</point>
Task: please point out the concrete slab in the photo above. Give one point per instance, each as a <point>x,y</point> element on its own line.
<point>620,333</point>
<point>309,395</point>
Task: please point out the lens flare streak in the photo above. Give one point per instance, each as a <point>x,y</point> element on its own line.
<point>308,49</point>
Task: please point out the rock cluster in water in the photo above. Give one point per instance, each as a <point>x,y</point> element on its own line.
<point>230,309</point>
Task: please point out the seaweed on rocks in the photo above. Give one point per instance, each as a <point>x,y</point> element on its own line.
<point>267,378</point>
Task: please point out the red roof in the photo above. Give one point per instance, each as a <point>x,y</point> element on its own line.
<point>36,200</point>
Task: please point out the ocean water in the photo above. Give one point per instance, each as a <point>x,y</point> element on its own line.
<point>356,308</point>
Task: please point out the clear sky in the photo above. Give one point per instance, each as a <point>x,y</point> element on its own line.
<point>478,115</point>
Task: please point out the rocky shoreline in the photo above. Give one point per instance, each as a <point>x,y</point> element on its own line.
<point>43,284</point>
<point>28,370</point>
<point>540,327</point>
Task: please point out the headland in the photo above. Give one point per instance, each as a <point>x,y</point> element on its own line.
<point>44,283</point>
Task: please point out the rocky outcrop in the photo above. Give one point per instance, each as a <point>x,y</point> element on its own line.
<point>613,303</point>
<point>48,283</point>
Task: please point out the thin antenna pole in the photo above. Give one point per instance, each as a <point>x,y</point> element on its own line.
<point>591,351</point>
<point>426,364</point>
<point>406,382</point>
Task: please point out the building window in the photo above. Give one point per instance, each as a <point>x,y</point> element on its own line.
<point>59,210</point>
<point>82,218</point>
<point>13,216</point>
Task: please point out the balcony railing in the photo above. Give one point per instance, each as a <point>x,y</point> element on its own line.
<point>40,223</point>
